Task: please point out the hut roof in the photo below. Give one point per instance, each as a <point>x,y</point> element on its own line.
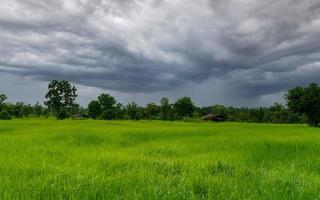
<point>213,117</point>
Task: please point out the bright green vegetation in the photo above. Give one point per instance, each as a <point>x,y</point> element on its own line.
<point>48,159</point>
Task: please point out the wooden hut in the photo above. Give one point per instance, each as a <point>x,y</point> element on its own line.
<point>214,118</point>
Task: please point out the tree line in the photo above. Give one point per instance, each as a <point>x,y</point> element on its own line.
<point>303,106</point>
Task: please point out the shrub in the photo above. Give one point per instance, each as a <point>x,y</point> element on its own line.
<point>109,114</point>
<point>5,115</point>
<point>62,115</point>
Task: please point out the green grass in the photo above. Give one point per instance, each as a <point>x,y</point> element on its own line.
<point>48,159</point>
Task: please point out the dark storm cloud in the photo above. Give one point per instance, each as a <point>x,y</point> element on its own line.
<point>254,47</point>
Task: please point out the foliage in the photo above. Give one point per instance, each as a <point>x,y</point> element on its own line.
<point>5,115</point>
<point>274,114</point>
<point>220,110</point>
<point>306,100</point>
<point>133,111</point>
<point>109,114</point>
<point>120,111</point>
<point>3,97</point>
<point>62,114</point>
<point>106,107</point>
<point>19,110</point>
<point>184,107</point>
<point>165,108</point>
<point>152,111</point>
<point>106,101</point>
<point>94,109</point>
<point>61,98</point>
<point>38,109</point>
<point>279,114</point>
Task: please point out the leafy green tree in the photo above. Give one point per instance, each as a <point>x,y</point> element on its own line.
<point>94,109</point>
<point>196,115</point>
<point>220,110</point>
<point>109,114</point>
<point>306,100</point>
<point>38,109</point>
<point>133,111</point>
<point>232,113</point>
<point>165,108</point>
<point>108,106</point>
<point>5,115</point>
<point>120,111</point>
<point>259,115</point>
<point>278,113</point>
<point>2,99</point>
<point>46,112</point>
<point>204,110</point>
<point>61,98</point>
<point>107,102</point>
<point>184,107</point>
<point>105,108</point>
<point>243,115</point>
<point>152,111</point>
<point>18,110</point>
<point>63,114</point>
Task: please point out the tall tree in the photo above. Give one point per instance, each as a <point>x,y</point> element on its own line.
<point>94,109</point>
<point>19,110</point>
<point>120,111</point>
<point>4,114</point>
<point>152,111</point>
<point>104,107</point>
<point>278,114</point>
<point>165,108</point>
<point>3,97</point>
<point>133,111</point>
<point>61,98</point>
<point>306,100</point>
<point>184,107</point>
<point>38,109</point>
<point>106,101</point>
<point>220,110</point>
<point>108,106</point>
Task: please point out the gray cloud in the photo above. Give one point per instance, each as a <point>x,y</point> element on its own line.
<point>253,48</point>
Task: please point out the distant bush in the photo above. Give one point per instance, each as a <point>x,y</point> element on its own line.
<point>189,119</point>
<point>5,115</point>
<point>62,115</point>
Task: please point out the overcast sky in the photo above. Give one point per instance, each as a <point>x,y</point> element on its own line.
<point>232,52</point>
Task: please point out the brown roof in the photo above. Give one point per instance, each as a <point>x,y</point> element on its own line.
<point>213,117</point>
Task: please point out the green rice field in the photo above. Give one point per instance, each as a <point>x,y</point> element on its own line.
<point>49,159</point>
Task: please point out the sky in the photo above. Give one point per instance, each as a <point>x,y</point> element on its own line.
<point>231,52</point>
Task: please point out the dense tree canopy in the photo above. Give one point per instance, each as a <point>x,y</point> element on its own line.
<point>4,114</point>
<point>3,97</point>
<point>133,111</point>
<point>152,111</point>
<point>107,101</point>
<point>94,109</point>
<point>165,108</point>
<point>306,100</point>
<point>220,110</point>
<point>184,107</point>
<point>104,107</point>
<point>303,106</point>
<point>38,109</point>
<point>61,98</point>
